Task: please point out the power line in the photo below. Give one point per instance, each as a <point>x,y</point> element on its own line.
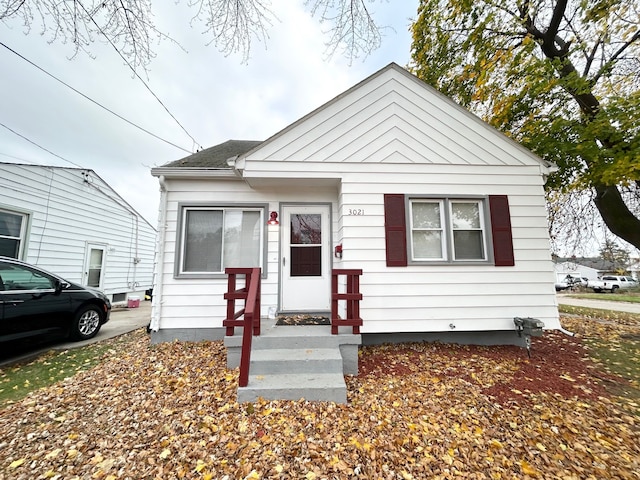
<point>39,146</point>
<point>136,74</point>
<point>95,102</point>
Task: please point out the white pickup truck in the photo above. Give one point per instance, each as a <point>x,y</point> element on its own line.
<point>612,283</point>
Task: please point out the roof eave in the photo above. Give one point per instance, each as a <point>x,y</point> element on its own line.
<point>194,172</point>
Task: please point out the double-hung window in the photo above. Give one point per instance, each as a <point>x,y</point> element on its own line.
<point>12,232</point>
<point>447,230</point>
<point>215,238</point>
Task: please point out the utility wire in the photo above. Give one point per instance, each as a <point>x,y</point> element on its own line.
<point>136,74</point>
<point>95,102</point>
<point>40,146</point>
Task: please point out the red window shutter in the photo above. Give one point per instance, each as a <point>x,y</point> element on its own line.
<point>395,230</point>
<point>501,231</point>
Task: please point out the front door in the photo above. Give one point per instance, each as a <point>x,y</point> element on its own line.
<point>305,265</point>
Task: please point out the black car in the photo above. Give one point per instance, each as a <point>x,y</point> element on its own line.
<point>34,302</point>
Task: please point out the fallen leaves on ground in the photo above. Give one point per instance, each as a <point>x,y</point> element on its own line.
<point>425,410</point>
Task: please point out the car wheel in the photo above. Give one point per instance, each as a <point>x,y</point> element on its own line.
<point>597,290</point>
<point>614,288</point>
<point>86,323</point>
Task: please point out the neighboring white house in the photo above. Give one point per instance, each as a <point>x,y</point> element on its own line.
<point>70,222</point>
<point>575,270</point>
<point>445,216</point>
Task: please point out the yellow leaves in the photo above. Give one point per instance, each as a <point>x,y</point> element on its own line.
<point>53,454</point>
<point>527,469</point>
<point>495,444</point>
<point>17,463</point>
<point>206,434</point>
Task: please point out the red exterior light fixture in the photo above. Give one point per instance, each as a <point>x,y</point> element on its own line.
<point>273,219</point>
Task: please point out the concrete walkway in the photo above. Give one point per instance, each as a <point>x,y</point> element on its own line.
<point>603,304</point>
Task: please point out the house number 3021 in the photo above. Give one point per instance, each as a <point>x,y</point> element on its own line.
<point>356,211</point>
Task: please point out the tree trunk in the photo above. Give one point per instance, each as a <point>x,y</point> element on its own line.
<point>616,214</point>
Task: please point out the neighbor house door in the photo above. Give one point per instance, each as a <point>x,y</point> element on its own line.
<point>306,261</point>
<point>94,265</point>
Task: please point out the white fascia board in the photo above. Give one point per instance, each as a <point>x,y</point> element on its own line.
<point>186,172</point>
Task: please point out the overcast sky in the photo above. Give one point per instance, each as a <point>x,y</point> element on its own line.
<point>215,98</point>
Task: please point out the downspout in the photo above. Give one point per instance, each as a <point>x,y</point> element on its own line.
<point>156,303</point>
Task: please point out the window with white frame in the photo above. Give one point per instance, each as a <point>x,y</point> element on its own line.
<point>213,239</point>
<point>447,230</point>
<point>12,232</point>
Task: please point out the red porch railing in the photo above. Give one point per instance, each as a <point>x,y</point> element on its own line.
<point>250,293</point>
<point>352,296</point>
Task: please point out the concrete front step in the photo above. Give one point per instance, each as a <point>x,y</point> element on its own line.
<point>298,360</point>
<point>327,387</point>
<point>294,362</point>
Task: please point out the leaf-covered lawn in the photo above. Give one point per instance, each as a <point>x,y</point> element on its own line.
<point>415,411</point>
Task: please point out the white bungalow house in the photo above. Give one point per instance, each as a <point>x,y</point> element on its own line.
<point>444,215</point>
<point>576,270</point>
<point>72,223</point>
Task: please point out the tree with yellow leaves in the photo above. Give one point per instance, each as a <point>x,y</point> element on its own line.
<point>561,77</point>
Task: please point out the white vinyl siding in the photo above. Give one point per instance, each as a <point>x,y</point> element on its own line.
<point>70,208</point>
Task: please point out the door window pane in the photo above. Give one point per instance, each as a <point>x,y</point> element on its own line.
<point>95,267</point>
<point>306,261</point>
<point>306,229</point>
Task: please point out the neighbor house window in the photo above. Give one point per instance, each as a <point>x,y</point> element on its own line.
<point>213,239</point>
<point>447,229</point>
<point>12,233</point>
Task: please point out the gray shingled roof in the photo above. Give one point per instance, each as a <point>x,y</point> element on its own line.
<point>216,156</point>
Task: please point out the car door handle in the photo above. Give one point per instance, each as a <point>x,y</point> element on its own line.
<point>284,261</point>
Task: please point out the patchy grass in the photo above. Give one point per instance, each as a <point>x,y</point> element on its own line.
<point>618,296</point>
<point>16,381</point>
<point>621,358</point>
<point>601,314</point>
<point>612,340</point>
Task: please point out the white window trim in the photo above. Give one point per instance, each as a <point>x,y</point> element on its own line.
<point>448,251</point>
<point>22,239</point>
<point>181,232</point>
